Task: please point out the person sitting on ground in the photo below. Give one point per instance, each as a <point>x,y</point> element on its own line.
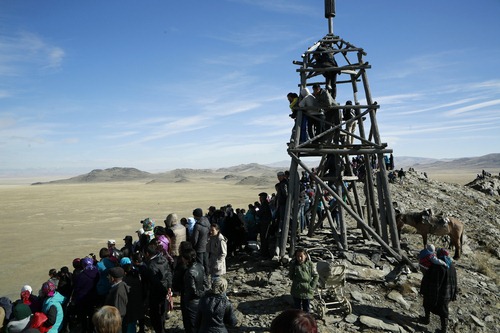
<point>294,321</point>
<point>107,320</point>
<point>427,257</point>
<point>215,311</point>
<point>304,278</point>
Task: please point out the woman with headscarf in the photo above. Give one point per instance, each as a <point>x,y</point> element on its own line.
<point>215,311</point>
<point>52,306</point>
<point>29,299</point>
<point>85,293</point>
<point>438,288</point>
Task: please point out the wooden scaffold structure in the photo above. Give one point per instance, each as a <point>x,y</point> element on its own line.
<point>335,144</point>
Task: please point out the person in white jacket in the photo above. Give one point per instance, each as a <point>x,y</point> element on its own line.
<point>217,252</point>
<point>310,125</point>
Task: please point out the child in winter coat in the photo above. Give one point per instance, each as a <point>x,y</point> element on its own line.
<point>427,257</point>
<point>304,278</point>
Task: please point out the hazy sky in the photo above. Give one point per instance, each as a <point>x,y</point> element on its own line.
<point>159,85</point>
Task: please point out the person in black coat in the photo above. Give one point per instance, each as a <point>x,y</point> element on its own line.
<point>438,288</point>
<point>158,279</point>
<point>215,311</point>
<point>265,217</point>
<point>192,289</point>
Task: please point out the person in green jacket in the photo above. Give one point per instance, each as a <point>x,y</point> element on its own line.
<point>304,278</point>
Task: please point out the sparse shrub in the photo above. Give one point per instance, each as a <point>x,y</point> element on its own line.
<point>484,267</point>
<point>405,289</point>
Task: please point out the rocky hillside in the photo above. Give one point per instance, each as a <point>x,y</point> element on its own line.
<point>384,294</point>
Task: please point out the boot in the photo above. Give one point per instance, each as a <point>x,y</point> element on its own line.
<point>426,319</point>
<point>444,325</point>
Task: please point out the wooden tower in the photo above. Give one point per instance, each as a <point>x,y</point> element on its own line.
<point>335,146</point>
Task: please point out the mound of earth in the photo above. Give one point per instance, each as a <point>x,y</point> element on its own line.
<point>106,175</point>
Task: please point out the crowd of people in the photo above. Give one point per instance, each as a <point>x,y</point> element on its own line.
<point>131,287</point>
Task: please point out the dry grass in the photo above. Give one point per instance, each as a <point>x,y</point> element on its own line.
<point>484,266</point>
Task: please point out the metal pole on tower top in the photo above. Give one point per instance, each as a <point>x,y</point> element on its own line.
<point>330,14</point>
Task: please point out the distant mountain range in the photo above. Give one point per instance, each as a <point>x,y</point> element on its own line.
<point>490,161</point>
<point>253,171</point>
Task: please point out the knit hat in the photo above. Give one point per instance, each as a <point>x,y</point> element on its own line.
<point>125,261</point>
<point>48,289</point>
<point>219,286</point>
<point>21,311</point>
<point>430,248</point>
<point>27,288</point>
<point>116,272</point>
